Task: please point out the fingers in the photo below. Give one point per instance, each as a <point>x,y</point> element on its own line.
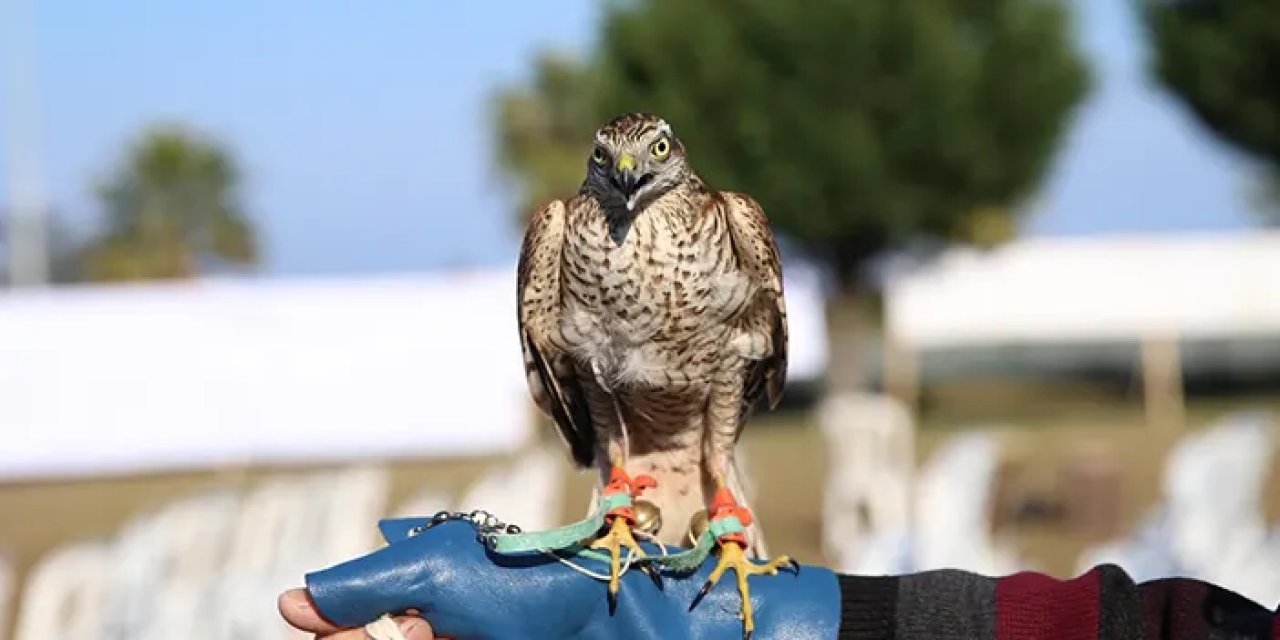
<point>298,610</point>
<point>409,628</point>
<point>412,628</point>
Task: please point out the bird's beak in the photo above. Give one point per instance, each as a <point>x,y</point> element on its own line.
<point>627,178</point>
<point>624,173</point>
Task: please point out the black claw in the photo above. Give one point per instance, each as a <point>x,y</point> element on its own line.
<point>653,575</point>
<point>794,565</point>
<point>747,635</point>
<point>706,586</point>
<point>613,601</point>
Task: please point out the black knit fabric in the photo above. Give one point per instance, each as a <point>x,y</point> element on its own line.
<point>957,604</point>
<point>1120,607</point>
<point>868,607</point>
<point>1102,604</point>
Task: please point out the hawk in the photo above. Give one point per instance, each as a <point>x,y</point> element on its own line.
<point>652,320</point>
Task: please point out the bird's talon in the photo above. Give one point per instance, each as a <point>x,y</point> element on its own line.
<point>619,536</point>
<point>733,556</point>
<point>653,575</point>
<point>706,586</point>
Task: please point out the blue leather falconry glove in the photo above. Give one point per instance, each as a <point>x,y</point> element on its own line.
<point>466,590</point>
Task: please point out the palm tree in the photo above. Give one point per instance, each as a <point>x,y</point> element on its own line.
<point>171,211</point>
<point>541,144</point>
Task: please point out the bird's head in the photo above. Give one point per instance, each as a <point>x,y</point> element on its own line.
<point>636,158</point>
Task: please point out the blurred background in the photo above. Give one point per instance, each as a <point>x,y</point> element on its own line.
<point>258,270</point>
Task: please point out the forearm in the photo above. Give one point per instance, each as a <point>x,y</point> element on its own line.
<point>1104,604</point>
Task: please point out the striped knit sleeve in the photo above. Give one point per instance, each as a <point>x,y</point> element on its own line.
<point>1103,604</point>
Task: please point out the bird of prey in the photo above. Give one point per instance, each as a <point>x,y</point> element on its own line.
<point>652,319</point>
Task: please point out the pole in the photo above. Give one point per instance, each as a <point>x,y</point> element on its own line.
<point>27,245</point>
<point>1162,381</point>
<point>901,371</point>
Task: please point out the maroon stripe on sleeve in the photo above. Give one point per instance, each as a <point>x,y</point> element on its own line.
<point>1033,605</point>
<point>1188,609</point>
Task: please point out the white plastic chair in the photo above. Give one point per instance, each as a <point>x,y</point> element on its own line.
<point>64,596</point>
<point>953,501</point>
<point>870,467</point>
<point>1209,524</point>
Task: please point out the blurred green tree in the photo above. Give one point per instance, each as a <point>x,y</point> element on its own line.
<point>1221,60</point>
<point>171,211</point>
<point>544,130</point>
<point>861,127</point>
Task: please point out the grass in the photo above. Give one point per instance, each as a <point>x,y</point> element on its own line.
<point>785,452</point>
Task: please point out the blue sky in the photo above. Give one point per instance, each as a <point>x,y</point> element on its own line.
<point>362,127</point>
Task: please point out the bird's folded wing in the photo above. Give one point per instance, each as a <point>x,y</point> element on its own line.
<point>757,254</point>
<point>552,380</point>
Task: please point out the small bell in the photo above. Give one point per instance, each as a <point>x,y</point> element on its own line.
<point>697,526</point>
<point>648,516</point>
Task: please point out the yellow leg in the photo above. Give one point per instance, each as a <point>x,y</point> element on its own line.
<point>619,536</point>
<point>748,622</point>
<point>620,533</point>
<point>733,557</point>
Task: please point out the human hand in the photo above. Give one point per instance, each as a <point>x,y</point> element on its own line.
<point>297,608</point>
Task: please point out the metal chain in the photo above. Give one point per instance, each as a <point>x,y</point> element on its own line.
<point>487,525</point>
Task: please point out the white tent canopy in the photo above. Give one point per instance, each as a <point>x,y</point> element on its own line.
<point>164,376</point>
<point>1092,289</point>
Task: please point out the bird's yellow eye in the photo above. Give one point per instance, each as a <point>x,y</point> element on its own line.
<point>661,149</point>
<point>598,156</point>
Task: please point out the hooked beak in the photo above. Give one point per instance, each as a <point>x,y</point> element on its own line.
<point>628,179</point>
